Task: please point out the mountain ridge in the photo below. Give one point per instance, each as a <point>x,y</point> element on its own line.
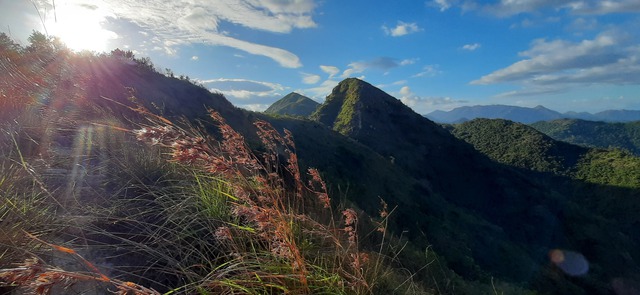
<point>485,216</point>
<point>435,158</point>
<point>526,115</point>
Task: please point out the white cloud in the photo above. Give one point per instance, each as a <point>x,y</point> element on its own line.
<point>195,57</point>
<point>408,61</point>
<point>401,29</point>
<point>559,58</point>
<point>198,21</point>
<point>405,90</point>
<point>255,107</point>
<point>321,91</point>
<point>243,89</point>
<point>380,63</point>
<point>471,47</point>
<point>441,4</point>
<point>552,66</point>
<point>506,8</point>
<point>424,105</point>
<point>428,71</point>
<point>310,78</point>
<point>331,70</point>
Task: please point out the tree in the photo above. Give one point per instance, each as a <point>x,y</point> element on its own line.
<point>39,42</point>
<point>8,45</point>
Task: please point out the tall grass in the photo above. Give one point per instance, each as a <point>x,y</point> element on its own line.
<point>213,219</point>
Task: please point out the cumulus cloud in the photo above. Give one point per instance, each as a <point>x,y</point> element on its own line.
<point>198,21</point>
<point>424,105</point>
<point>401,29</point>
<point>471,47</point>
<point>310,78</point>
<point>243,89</point>
<point>195,57</point>
<point>380,63</point>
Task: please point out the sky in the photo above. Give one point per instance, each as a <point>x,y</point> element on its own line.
<point>567,55</point>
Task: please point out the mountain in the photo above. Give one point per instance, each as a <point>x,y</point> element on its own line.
<point>594,134</point>
<point>605,182</point>
<point>476,208</point>
<point>526,115</point>
<point>293,104</point>
<point>617,116</point>
<point>519,145</point>
<point>513,113</point>
<point>481,201</point>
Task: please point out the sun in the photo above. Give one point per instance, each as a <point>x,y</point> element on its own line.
<point>80,27</point>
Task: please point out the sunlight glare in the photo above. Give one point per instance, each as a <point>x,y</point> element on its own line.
<point>80,27</point>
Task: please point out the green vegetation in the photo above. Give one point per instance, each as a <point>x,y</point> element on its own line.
<point>518,145</point>
<point>339,109</point>
<point>594,134</point>
<point>196,212</point>
<point>117,177</point>
<point>610,167</point>
<point>293,104</point>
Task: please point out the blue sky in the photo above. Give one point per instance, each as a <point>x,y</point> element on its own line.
<point>580,55</point>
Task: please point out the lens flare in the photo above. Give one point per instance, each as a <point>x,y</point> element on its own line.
<point>572,263</point>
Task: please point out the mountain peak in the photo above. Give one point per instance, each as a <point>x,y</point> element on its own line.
<point>293,104</point>
<point>354,102</point>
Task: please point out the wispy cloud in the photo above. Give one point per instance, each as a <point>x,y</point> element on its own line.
<point>310,78</point>
<point>401,29</point>
<point>441,4</point>
<point>256,107</point>
<point>554,66</point>
<point>195,57</point>
<point>187,21</point>
<point>424,105</point>
<point>471,47</point>
<point>319,92</point>
<point>331,70</point>
<point>380,63</point>
<point>428,71</point>
<point>509,8</point>
<point>243,89</point>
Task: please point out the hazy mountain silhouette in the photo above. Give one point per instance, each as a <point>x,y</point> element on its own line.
<point>526,115</point>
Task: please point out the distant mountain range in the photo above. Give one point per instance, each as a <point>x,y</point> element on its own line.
<point>527,115</point>
<point>293,104</point>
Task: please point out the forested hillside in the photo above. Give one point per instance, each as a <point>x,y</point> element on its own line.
<point>594,134</point>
